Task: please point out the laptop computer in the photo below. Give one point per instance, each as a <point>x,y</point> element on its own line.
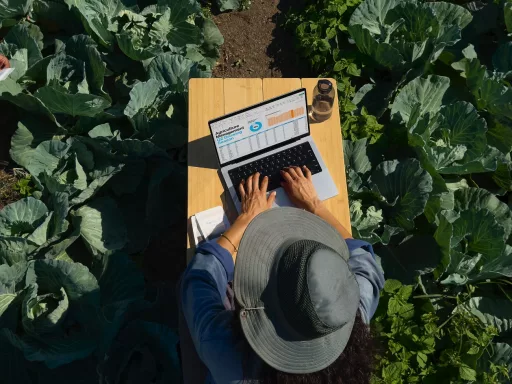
<point>268,137</point>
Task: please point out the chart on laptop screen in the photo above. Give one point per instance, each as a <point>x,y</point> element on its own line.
<point>260,127</point>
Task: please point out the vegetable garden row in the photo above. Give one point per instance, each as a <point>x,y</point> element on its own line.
<point>426,101</point>
<point>101,91</point>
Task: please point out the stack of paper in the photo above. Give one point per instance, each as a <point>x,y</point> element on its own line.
<point>209,224</point>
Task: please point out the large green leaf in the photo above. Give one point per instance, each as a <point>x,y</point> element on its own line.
<point>96,16</point>
<point>12,282</point>
<point>365,220</point>
<point>212,36</point>
<point>55,332</point>
<point>68,72</point>
<point>101,226</point>
<point>480,233</point>
<point>18,62</point>
<point>450,14</point>
<point>491,311</point>
<point>498,354</point>
<point>478,198</point>
<point>500,266</point>
<point>47,157</point>
<point>499,135</point>
<point>85,49</point>
<point>22,217</point>
<point>182,31</point>
<point>449,139</point>
<point>507,10</point>
<point>417,26</point>
<point>405,187</point>
<point>13,9</point>
<point>460,124</point>
<point>78,104</point>
<point>488,89</point>
<point>30,133</point>
<point>403,35</point>
<point>27,36</point>
<point>228,5</point>
<point>458,143</point>
<point>15,249</point>
<point>12,278</point>
<point>42,232</point>
<point>355,156</point>
<point>425,94</point>
<point>372,14</point>
<point>44,313</point>
<point>382,53</point>
<point>171,69</point>
<point>137,36</point>
<point>142,96</point>
<point>13,92</point>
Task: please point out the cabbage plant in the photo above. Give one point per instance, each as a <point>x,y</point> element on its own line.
<point>401,35</point>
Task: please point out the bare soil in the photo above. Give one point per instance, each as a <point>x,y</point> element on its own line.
<point>256,44</point>
<point>7,192</point>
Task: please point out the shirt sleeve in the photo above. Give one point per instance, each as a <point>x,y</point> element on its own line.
<point>203,290</point>
<point>368,275</point>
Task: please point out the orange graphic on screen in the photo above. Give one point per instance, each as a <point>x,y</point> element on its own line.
<point>274,120</point>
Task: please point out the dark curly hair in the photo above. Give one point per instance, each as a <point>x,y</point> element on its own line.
<point>355,365</point>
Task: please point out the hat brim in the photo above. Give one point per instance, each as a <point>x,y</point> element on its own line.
<point>255,286</point>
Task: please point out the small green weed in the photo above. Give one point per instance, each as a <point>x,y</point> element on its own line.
<point>25,186</point>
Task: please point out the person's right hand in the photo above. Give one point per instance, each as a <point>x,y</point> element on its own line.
<point>298,184</point>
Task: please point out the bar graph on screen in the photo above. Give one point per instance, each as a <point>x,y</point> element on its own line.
<point>293,113</point>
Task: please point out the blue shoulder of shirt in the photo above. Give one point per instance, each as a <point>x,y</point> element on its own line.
<point>222,254</point>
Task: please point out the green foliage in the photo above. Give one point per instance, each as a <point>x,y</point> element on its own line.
<point>427,125</point>
<point>421,347</point>
<point>363,125</point>
<point>24,186</point>
<point>101,88</point>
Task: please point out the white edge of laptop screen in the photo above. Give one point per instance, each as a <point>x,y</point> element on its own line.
<point>260,127</point>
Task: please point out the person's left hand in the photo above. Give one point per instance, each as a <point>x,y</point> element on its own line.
<point>254,196</point>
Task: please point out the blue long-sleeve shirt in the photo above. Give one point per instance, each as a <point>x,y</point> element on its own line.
<point>209,316</point>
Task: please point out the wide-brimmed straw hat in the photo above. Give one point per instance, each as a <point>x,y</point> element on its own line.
<point>297,294</point>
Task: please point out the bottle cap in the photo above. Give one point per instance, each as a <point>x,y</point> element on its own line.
<point>324,86</point>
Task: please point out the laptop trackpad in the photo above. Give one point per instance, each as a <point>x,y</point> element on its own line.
<point>282,199</point>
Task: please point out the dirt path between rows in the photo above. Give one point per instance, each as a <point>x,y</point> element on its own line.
<point>256,44</point>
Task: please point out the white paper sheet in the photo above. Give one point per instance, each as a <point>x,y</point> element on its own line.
<point>209,224</point>
<point>4,73</point>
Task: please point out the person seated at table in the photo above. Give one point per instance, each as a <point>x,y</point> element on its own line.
<point>301,298</point>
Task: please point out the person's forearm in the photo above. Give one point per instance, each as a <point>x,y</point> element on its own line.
<point>321,210</point>
<point>234,234</point>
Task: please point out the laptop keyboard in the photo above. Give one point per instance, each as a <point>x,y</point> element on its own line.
<point>272,165</point>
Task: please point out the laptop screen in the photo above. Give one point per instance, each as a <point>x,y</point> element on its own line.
<point>260,127</point>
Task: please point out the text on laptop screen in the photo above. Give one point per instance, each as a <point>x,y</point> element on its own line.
<point>260,127</point>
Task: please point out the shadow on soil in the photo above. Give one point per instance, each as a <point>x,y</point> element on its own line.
<point>282,48</point>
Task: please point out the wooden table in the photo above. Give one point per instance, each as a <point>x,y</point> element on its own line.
<point>211,98</point>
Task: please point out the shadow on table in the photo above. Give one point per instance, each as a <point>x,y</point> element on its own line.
<point>201,153</point>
